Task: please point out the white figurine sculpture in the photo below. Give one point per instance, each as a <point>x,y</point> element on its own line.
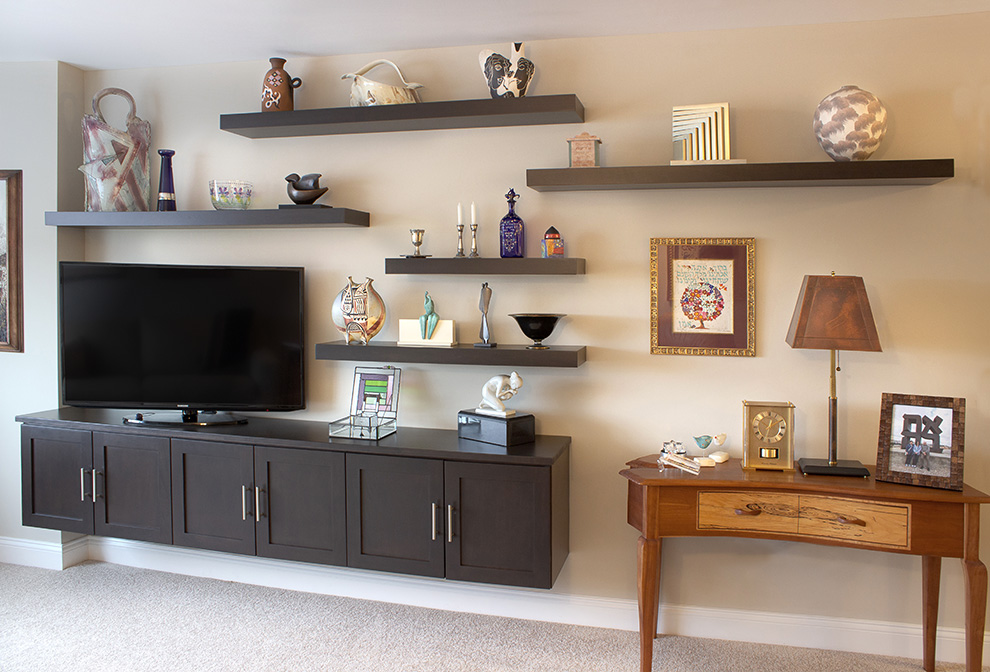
<point>498,390</point>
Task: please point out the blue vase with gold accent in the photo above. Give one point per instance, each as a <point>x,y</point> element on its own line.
<point>511,233</point>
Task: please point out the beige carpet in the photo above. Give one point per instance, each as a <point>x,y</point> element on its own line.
<point>98,616</point>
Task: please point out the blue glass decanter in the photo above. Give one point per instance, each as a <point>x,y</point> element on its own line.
<point>511,236</point>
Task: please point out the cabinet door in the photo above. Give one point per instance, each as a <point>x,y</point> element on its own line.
<point>300,505</point>
<point>501,523</point>
<point>133,497</point>
<point>394,514</point>
<point>212,495</point>
<point>56,475</point>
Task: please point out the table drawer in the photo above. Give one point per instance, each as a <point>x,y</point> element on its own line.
<point>864,521</point>
<point>749,511</point>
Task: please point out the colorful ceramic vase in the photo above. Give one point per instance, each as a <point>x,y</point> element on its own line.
<point>276,92</point>
<point>553,244</point>
<point>166,188</point>
<point>850,123</point>
<point>115,161</point>
<point>511,234</point>
<point>358,312</point>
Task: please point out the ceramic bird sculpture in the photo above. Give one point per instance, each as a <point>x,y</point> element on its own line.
<point>306,189</point>
<point>507,77</point>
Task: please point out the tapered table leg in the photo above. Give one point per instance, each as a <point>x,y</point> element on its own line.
<point>931,574</point>
<point>976,588</point>
<point>648,589</point>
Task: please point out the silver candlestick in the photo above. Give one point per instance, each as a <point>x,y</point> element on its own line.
<point>474,241</point>
<point>460,241</point>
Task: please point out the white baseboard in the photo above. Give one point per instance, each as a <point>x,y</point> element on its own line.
<point>841,634</point>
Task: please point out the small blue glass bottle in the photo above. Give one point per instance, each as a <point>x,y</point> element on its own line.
<point>166,189</point>
<point>512,238</point>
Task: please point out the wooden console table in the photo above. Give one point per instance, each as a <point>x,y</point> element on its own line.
<point>838,511</point>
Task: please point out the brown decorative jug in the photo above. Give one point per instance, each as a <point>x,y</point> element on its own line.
<point>276,92</point>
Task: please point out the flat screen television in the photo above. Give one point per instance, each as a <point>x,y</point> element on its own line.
<point>196,342</point>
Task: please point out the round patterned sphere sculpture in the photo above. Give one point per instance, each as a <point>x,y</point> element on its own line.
<point>850,123</point>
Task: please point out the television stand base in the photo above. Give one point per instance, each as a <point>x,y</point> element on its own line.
<point>187,418</point>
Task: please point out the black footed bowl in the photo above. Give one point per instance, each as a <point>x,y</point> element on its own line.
<point>537,326</point>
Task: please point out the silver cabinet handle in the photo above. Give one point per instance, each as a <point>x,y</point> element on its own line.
<point>82,484</point>
<point>257,504</point>
<point>94,485</point>
<point>450,523</point>
<point>433,519</point>
<point>243,502</point>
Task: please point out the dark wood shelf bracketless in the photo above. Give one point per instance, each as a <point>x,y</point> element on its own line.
<point>480,113</point>
<point>484,266</point>
<point>233,219</point>
<point>564,356</point>
<point>711,175</point>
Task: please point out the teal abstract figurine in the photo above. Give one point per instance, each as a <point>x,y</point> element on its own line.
<point>428,320</point>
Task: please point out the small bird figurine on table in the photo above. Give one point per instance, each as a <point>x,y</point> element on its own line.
<point>306,189</point>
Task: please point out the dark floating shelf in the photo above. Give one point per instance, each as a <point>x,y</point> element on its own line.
<point>234,219</point>
<point>526,111</point>
<point>817,174</point>
<point>565,356</point>
<point>484,266</point>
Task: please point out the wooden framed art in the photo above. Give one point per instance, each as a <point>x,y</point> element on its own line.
<point>11,270</point>
<point>921,440</point>
<point>703,296</point>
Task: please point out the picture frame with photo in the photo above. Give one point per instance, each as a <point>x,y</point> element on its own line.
<point>703,296</point>
<point>922,440</point>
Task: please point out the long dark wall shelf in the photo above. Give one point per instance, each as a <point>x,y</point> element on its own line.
<point>526,111</point>
<point>817,174</point>
<point>234,219</point>
<point>484,266</point>
<point>564,356</point>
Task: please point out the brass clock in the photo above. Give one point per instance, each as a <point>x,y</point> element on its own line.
<point>768,435</point>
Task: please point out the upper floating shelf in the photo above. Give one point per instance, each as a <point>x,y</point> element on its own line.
<point>526,111</point>
<point>818,174</point>
<point>234,219</point>
<point>484,266</point>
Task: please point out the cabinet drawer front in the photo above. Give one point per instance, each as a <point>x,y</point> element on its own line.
<point>868,522</point>
<point>752,511</point>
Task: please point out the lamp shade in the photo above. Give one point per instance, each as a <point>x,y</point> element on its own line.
<point>833,313</point>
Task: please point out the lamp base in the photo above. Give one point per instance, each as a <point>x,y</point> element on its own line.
<point>817,467</point>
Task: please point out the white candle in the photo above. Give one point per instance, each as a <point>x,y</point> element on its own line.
<point>473,220</point>
<point>460,217</point>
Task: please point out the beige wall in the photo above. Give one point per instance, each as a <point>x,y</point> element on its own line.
<point>922,251</point>
<point>29,141</point>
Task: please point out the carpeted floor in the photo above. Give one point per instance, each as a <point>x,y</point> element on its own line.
<point>99,616</point>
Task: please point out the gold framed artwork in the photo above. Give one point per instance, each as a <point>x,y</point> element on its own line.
<point>11,269</point>
<point>703,296</point>
<point>921,440</point>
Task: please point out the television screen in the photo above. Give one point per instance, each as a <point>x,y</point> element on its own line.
<point>189,338</point>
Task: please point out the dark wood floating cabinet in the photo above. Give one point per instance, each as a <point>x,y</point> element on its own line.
<point>233,219</point>
<point>420,501</point>
<point>484,266</point>
<point>564,356</point>
<point>483,112</point>
<point>817,174</point>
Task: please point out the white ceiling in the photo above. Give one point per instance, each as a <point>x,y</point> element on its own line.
<point>111,34</point>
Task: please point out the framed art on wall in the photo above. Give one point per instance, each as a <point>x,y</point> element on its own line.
<point>921,440</point>
<point>703,296</point>
<point>11,271</point>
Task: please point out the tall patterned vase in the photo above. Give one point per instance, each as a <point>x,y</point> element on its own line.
<point>511,232</point>
<point>166,188</point>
